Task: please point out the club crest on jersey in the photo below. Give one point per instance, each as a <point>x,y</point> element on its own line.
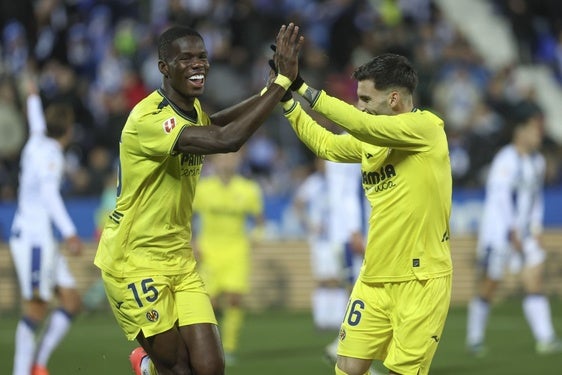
<point>169,125</point>
<point>152,315</point>
<point>342,334</point>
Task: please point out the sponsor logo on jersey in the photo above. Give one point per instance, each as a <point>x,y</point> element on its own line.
<point>379,179</point>
<point>152,315</point>
<point>191,159</point>
<point>169,125</point>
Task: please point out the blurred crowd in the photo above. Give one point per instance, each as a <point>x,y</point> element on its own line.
<point>101,57</point>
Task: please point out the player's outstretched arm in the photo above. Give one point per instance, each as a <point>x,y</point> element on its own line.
<point>227,115</point>
<point>230,137</point>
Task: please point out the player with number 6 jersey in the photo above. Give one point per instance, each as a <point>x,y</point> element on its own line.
<point>398,306</point>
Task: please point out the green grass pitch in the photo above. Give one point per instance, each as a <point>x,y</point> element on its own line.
<point>280,343</point>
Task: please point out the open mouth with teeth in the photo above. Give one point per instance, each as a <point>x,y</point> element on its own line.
<point>197,80</point>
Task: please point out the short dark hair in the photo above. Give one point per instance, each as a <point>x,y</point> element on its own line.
<point>387,71</point>
<point>59,117</point>
<point>170,35</point>
<point>523,111</point>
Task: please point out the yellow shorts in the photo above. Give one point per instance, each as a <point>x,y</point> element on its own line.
<point>400,323</point>
<point>155,304</point>
<point>226,277</point>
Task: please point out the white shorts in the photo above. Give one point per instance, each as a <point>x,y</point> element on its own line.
<point>496,259</point>
<point>326,260</point>
<point>40,268</point>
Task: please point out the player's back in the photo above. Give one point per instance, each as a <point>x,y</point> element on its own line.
<point>41,170</point>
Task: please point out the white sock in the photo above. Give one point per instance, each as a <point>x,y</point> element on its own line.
<point>24,347</point>
<point>146,366</point>
<point>58,326</point>
<point>478,312</point>
<point>537,311</point>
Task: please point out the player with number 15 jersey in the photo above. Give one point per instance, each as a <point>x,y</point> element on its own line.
<point>150,237</point>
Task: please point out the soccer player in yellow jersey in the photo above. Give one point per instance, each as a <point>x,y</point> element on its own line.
<point>399,304</point>
<point>144,254</point>
<point>229,209</point>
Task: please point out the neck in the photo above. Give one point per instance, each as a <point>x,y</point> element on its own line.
<point>521,148</point>
<point>183,102</point>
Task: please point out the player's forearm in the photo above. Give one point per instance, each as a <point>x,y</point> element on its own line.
<point>230,137</point>
<point>312,134</point>
<point>35,116</point>
<point>231,113</point>
<point>354,121</point>
<point>57,211</point>
<point>369,128</point>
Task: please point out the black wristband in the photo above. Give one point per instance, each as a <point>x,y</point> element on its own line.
<point>297,83</point>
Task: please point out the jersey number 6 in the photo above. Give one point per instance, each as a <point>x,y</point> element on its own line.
<point>354,315</point>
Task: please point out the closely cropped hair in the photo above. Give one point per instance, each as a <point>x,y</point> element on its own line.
<point>59,117</point>
<point>167,38</point>
<point>388,71</point>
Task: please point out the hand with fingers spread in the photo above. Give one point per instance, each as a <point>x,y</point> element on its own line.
<point>297,82</point>
<point>288,44</point>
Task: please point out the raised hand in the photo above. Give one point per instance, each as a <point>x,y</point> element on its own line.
<point>288,44</point>
<point>297,82</point>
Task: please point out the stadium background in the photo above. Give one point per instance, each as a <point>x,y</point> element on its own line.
<point>476,59</point>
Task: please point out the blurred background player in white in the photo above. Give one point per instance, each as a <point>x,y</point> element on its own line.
<point>42,270</point>
<point>229,213</point>
<point>329,204</point>
<point>510,233</point>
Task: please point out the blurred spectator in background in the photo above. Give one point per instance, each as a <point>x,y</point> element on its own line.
<point>99,57</point>
<point>13,131</point>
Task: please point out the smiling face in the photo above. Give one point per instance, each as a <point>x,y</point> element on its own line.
<point>185,70</point>
<point>371,100</point>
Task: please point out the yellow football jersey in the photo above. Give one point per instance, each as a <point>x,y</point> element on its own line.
<point>150,229</point>
<point>224,210</point>
<point>406,176</point>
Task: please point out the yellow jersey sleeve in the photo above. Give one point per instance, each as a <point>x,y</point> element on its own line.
<point>403,131</point>
<point>325,144</point>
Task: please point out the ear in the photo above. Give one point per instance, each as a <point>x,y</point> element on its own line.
<point>393,99</point>
<point>163,68</point>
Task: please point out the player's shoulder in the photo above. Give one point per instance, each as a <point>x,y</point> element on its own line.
<point>152,105</point>
<point>506,155</point>
<point>424,116</point>
<point>505,162</point>
<point>244,182</point>
<point>156,106</point>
